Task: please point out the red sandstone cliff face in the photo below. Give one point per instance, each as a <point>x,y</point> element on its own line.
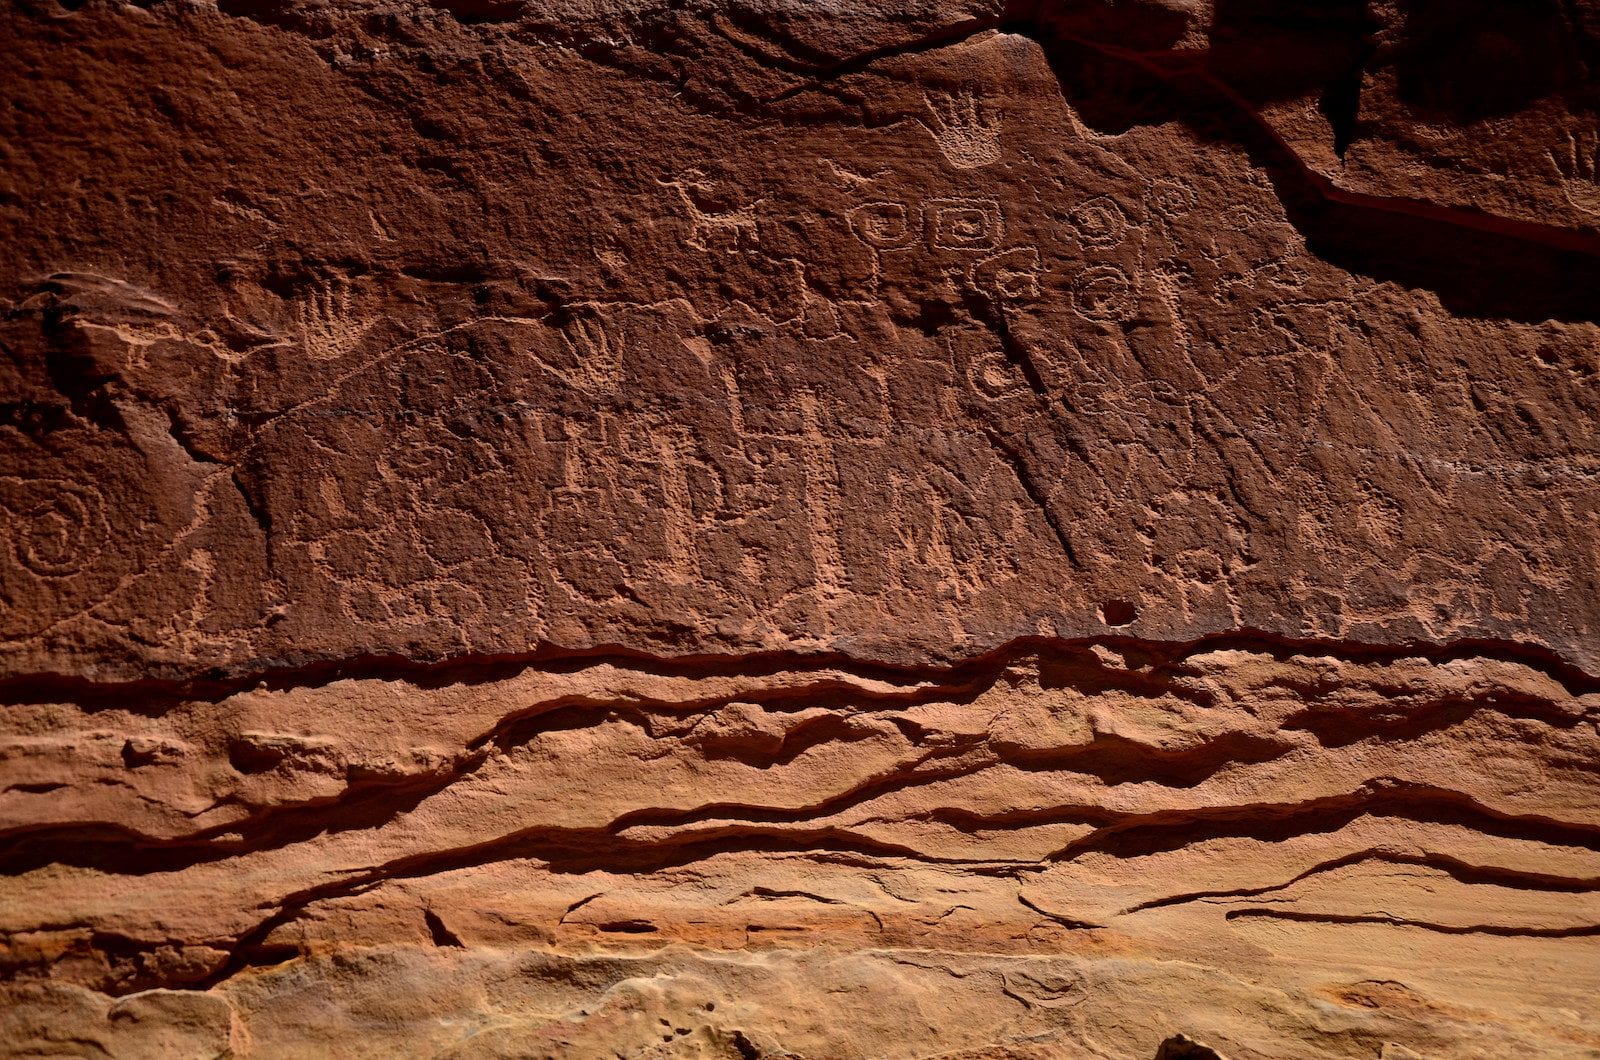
<point>594,527</point>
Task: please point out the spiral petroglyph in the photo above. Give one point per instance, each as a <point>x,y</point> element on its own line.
<point>53,528</point>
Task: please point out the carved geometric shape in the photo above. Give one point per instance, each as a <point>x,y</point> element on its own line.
<point>884,225</point>
<point>964,224</point>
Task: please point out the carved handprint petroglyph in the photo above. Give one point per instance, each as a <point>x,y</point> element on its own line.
<point>329,326</point>
<point>596,344</point>
<point>1577,162</point>
<point>966,128</point>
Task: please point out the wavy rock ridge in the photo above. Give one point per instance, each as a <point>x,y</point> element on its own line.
<point>760,528</point>
<point>1365,849</point>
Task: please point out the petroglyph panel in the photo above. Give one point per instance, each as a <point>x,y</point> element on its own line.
<point>563,422</point>
<point>536,528</point>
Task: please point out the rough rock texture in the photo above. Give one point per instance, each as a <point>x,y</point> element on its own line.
<point>776,528</point>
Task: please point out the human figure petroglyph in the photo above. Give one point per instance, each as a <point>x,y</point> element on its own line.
<point>672,447</point>
<point>938,544</point>
<point>1167,281</point>
<point>730,386</point>
<point>822,500</point>
<point>734,229</point>
<point>187,627</point>
<point>1577,162</point>
<point>964,126</point>
<point>941,550</point>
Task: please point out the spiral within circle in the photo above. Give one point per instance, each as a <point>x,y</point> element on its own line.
<point>54,527</point>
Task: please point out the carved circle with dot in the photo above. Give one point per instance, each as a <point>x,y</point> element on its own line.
<point>993,375</point>
<point>1100,223</point>
<point>884,225</point>
<point>1170,198</point>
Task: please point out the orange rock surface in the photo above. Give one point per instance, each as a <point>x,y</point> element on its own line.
<point>763,528</point>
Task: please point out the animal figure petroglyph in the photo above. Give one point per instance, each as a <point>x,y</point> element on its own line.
<point>710,229</point>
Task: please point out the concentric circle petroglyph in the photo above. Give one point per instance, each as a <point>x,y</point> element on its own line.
<point>884,225</point>
<point>52,527</point>
<point>1099,223</point>
<point>1104,292</point>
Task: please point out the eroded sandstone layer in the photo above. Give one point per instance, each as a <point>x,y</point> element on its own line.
<point>780,528</point>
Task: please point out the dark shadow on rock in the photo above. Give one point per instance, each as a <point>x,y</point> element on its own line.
<point>1478,265</point>
<point>1466,60</point>
<point>1183,1047</point>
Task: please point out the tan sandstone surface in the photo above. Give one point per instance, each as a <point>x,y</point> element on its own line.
<point>800,528</point>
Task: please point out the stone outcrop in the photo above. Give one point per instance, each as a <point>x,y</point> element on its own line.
<point>768,528</point>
